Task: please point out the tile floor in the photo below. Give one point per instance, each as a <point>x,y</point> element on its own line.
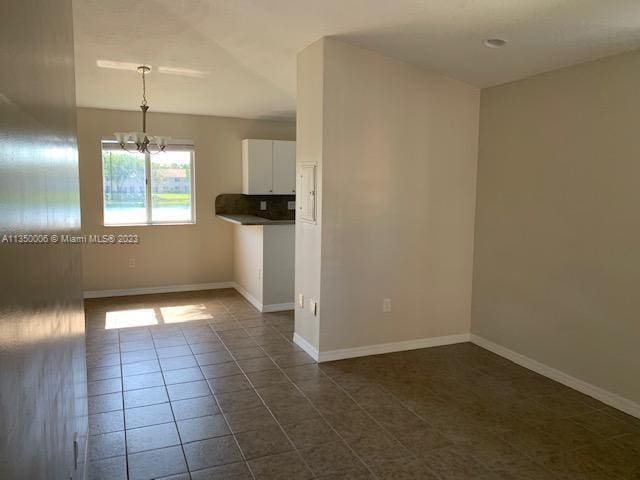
<point>201,386</point>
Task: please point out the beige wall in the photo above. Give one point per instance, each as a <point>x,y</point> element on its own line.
<point>309,128</point>
<point>168,255</point>
<point>398,154</point>
<point>43,383</point>
<point>557,232</point>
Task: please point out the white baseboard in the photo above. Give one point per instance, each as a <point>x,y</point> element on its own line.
<point>306,346</point>
<point>274,307</point>
<point>330,355</point>
<point>125,292</point>
<point>611,399</point>
<point>278,307</point>
<point>163,289</point>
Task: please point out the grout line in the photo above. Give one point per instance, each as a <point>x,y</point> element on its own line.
<point>124,421</point>
<point>295,449</point>
<point>312,406</point>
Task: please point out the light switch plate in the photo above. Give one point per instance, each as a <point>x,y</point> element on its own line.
<point>386,305</point>
<point>301,300</point>
<point>291,205</point>
<point>263,205</point>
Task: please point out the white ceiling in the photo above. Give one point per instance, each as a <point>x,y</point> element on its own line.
<point>245,50</point>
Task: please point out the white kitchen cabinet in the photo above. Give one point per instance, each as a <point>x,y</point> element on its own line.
<point>284,167</point>
<point>268,167</point>
<point>264,264</point>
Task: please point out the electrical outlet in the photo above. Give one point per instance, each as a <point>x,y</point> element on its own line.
<point>300,300</point>
<point>132,263</point>
<point>386,305</point>
<point>263,205</point>
<point>291,205</point>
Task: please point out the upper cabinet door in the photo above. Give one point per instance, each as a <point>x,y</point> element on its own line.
<point>257,167</point>
<point>284,167</point>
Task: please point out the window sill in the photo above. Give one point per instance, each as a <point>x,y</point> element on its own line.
<point>174,224</point>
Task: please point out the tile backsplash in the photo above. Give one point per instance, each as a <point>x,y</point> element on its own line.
<point>239,204</point>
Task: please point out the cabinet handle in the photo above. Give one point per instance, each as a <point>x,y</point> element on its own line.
<point>271,190</point>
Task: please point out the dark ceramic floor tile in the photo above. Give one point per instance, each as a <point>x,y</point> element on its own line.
<point>149,415</point>
<point>103,360</point>
<point>246,353</point>
<point>378,447</point>
<point>279,395</point>
<point>135,346</point>
<point>604,424</point>
<point>452,463</point>
<point>156,463</point>
<point>571,465</point>
<point>201,428</point>
<point>232,471</point>
<point>258,330</point>
<point>103,373</point>
<point>213,358</point>
<point>262,442</point>
<point>108,469</point>
<point>239,341</point>
<point>236,401</point>
<point>265,378</point>
<point>212,453</point>
<point>303,373</point>
<point>619,459</point>
<point>220,370</point>
<point>177,351</point>
<point>403,470</point>
<point>552,438</point>
<point>310,433</point>
<point>181,391</point>
<point>138,356</point>
<point>250,419</point>
<point>291,359</point>
<point>179,476</point>
<point>183,375</point>
<point>145,396</point>
<point>330,459</point>
<point>101,387</point>
<point>287,414</point>
<point>177,363</point>
<point>106,422</point>
<point>106,445</point>
<point>105,403</point>
<point>151,438</point>
<point>143,381</point>
<point>194,407</point>
<point>231,383</point>
<point>256,364</point>
<point>170,341</point>
<point>207,347</point>
<point>284,465</point>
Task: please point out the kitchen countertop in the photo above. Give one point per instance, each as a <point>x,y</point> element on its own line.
<point>253,220</point>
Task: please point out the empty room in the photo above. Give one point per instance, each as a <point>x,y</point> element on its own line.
<point>319,239</point>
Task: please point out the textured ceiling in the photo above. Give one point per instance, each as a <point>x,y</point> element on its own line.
<point>238,57</point>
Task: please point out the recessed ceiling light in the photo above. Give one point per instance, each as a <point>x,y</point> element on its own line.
<point>495,42</point>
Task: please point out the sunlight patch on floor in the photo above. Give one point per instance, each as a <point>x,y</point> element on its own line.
<point>185,313</point>
<point>130,318</point>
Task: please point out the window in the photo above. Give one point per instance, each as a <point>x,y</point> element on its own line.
<point>145,189</point>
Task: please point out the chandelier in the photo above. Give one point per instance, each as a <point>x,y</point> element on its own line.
<point>142,140</point>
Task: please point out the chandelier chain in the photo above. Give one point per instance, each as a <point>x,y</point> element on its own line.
<point>144,89</point>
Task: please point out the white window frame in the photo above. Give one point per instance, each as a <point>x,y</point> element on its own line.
<point>174,146</point>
